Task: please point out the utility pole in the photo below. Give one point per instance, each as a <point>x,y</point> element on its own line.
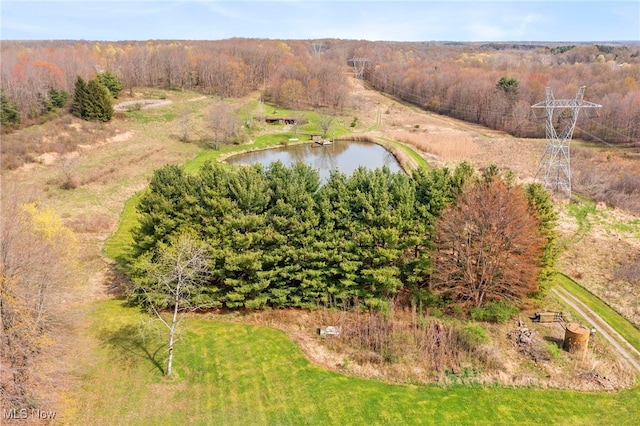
<point>555,165</point>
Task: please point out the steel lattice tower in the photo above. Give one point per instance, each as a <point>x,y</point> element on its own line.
<point>555,165</point>
<point>358,66</point>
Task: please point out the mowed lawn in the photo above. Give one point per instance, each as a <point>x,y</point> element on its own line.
<point>236,374</point>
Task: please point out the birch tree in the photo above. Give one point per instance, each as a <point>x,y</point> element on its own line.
<point>169,280</point>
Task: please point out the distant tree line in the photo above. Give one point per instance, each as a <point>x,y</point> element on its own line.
<point>463,80</point>
<point>496,87</point>
<point>276,237</point>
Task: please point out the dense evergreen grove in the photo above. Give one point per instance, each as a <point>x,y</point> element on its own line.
<point>277,237</point>
<point>91,101</point>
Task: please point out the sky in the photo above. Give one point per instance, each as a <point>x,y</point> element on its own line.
<point>414,20</point>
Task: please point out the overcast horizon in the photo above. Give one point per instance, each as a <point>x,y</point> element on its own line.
<point>462,21</point>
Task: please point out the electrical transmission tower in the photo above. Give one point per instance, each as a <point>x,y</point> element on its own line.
<point>317,47</point>
<point>358,66</point>
<point>555,165</point>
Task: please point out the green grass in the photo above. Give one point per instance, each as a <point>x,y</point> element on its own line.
<point>237,374</point>
<point>420,161</point>
<point>613,318</point>
<point>631,227</point>
<point>581,210</point>
<point>151,116</point>
<point>262,142</point>
<point>119,243</point>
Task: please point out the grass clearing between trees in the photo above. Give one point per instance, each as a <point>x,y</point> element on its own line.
<point>231,373</point>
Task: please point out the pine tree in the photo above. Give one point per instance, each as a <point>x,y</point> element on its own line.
<point>111,82</point>
<point>58,97</point>
<point>79,98</point>
<point>541,205</point>
<point>9,114</point>
<point>91,101</point>
<point>99,99</point>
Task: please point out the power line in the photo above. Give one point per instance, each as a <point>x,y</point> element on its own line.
<point>464,111</point>
<point>555,164</point>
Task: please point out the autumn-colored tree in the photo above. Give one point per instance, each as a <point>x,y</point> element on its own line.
<point>37,258</point>
<point>488,246</point>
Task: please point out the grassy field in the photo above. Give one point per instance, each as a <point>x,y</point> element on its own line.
<point>237,374</point>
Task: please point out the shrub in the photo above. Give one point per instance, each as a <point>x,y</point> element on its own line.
<point>554,350</point>
<point>472,336</point>
<point>499,312</point>
<point>134,107</point>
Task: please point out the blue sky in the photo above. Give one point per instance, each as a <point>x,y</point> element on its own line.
<point>417,20</point>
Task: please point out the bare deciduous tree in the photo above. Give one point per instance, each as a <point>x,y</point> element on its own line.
<point>488,246</point>
<point>185,124</point>
<point>68,165</point>
<point>223,123</point>
<point>37,258</point>
<point>325,123</point>
<point>168,281</point>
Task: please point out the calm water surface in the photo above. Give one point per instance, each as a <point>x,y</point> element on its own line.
<point>344,156</point>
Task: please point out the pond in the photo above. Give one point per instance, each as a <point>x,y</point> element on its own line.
<point>344,156</point>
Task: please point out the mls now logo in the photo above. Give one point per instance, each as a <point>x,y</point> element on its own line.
<point>23,414</point>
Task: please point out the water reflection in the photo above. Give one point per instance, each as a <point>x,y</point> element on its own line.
<point>344,156</point>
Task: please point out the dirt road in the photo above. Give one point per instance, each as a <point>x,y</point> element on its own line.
<point>624,348</point>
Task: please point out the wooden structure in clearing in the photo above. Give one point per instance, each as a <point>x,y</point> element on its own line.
<point>576,338</point>
<point>281,120</point>
<point>546,317</point>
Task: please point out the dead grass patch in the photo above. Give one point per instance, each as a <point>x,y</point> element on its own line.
<point>444,145</point>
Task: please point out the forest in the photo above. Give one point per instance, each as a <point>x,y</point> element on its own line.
<point>492,84</point>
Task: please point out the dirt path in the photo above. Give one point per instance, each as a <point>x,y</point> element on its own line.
<point>621,345</point>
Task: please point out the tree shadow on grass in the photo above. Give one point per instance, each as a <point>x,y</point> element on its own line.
<point>132,343</point>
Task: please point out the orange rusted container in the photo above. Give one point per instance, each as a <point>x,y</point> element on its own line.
<point>576,338</point>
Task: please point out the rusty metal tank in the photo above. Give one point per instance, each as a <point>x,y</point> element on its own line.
<point>576,338</point>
